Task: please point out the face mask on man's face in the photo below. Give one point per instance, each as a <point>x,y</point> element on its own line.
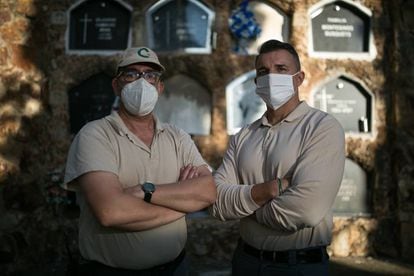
<point>139,97</point>
<point>275,89</point>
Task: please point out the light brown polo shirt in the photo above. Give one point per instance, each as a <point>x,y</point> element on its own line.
<point>308,145</point>
<point>108,145</point>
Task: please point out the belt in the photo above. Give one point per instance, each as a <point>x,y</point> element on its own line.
<point>303,256</point>
<point>95,268</point>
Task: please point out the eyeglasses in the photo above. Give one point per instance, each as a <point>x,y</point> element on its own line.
<point>129,76</point>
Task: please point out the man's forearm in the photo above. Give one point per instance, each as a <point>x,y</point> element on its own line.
<point>187,195</point>
<point>163,216</point>
<point>194,191</point>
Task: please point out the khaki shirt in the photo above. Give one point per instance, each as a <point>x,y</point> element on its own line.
<point>107,145</point>
<point>308,146</point>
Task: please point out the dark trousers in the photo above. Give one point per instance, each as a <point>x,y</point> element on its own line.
<point>177,267</point>
<point>248,263</point>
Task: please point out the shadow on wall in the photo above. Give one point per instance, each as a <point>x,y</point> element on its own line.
<point>38,220</point>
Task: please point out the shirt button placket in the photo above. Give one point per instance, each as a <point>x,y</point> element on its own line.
<point>267,139</point>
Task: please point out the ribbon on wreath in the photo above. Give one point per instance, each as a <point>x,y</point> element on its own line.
<point>243,25</point>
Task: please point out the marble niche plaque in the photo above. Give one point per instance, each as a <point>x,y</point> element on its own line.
<point>348,102</point>
<point>340,27</point>
<point>353,196</point>
<point>99,25</point>
<point>244,106</point>
<point>186,104</point>
<point>90,100</point>
<point>183,25</point>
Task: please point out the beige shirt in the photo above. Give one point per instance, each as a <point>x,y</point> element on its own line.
<point>308,145</point>
<point>108,145</point>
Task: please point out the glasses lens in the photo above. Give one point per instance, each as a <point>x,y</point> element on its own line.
<point>151,77</point>
<point>129,76</point>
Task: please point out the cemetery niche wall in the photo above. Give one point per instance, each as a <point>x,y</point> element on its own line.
<point>98,26</point>
<point>341,29</point>
<point>39,69</point>
<point>180,26</point>
<point>349,102</point>
<point>90,100</point>
<point>186,104</point>
<point>270,22</point>
<point>354,198</point>
<point>244,106</point>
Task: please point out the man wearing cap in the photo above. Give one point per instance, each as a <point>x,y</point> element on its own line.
<point>136,179</point>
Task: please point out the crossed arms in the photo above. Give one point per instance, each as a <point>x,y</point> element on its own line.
<point>125,209</point>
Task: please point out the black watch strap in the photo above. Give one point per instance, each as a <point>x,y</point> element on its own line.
<point>148,196</point>
<point>148,189</point>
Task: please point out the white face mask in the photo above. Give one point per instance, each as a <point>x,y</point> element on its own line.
<point>275,89</point>
<point>139,97</point>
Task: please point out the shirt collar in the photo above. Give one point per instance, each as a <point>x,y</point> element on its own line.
<point>296,114</point>
<point>119,126</point>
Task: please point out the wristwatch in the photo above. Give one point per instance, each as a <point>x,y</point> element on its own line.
<point>148,189</point>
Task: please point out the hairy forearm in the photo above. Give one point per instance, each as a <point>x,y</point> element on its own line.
<point>161,217</point>
<point>127,212</point>
<point>114,207</point>
<point>187,195</point>
<point>195,190</point>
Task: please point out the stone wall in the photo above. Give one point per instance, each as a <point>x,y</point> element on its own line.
<point>38,219</point>
<point>401,136</point>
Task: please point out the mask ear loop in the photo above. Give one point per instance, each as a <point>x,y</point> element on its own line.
<point>293,82</point>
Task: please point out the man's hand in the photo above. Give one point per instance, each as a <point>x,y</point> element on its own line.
<point>193,191</point>
<point>263,192</point>
<point>188,172</point>
<point>285,183</point>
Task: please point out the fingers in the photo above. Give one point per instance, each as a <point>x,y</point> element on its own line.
<point>285,183</point>
<point>184,173</point>
<point>188,172</point>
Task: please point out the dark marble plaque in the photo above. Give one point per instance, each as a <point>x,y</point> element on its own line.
<point>340,27</point>
<point>91,100</point>
<point>179,25</point>
<point>348,101</point>
<point>99,25</point>
<point>353,195</point>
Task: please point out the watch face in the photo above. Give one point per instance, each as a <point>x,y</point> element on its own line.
<point>148,187</point>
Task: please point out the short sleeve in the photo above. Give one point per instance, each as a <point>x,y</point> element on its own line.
<point>91,150</point>
<point>189,150</point>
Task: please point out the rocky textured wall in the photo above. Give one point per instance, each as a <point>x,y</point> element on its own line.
<point>401,88</point>
<point>33,229</point>
<point>38,220</point>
